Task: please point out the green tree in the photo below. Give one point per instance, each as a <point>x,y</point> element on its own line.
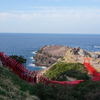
<point>20,59</point>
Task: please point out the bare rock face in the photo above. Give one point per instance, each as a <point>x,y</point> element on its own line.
<point>95,55</point>
<point>83,53</point>
<point>48,55</point>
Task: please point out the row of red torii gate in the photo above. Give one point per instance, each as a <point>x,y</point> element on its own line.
<point>34,77</point>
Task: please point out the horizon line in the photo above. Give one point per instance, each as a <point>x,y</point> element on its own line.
<point>43,33</point>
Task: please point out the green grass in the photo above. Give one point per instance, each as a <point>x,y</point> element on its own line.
<point>60,70</point>
<point>12,87</point>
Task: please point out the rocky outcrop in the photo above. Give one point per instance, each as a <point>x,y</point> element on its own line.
<point>81,52</point>
<point>95,55</point>
<point>48,55</point>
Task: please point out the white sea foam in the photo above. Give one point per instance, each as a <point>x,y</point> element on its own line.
<point>33,65</point>
<point>33,52</point>
<point>43,67</point>
<point>96,46</point>
<point>31,58</point>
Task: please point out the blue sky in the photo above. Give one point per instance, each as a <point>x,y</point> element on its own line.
<point>50,16</point>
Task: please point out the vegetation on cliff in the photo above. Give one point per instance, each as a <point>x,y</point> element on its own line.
<point>13,88</point>
<point>60,70</point>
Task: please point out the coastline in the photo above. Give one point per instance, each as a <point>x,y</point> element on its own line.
<point>46,56</point>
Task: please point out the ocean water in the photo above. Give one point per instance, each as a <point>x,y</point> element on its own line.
<point>26,44</point>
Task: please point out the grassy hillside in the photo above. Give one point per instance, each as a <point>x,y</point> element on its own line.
<point>13,88</point>
<point>87,90</point>
<point>60,70</point>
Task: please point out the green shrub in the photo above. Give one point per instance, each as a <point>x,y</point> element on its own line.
<point>20,59</point>
<point>2,92</point>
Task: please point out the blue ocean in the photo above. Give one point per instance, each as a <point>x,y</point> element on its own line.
<point>26,44</point>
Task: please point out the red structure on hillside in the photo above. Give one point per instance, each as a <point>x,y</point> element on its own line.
<point>34,77</point>
<point>91,70</point>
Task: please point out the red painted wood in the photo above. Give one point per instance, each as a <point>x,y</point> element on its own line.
<point>34,77</point>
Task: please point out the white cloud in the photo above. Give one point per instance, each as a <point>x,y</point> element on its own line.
<point>63,19</point>
<point>60,13</point>
<point>8,16</point>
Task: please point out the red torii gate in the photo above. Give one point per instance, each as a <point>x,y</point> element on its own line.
<point>35,77</point>
<point>91,70</point>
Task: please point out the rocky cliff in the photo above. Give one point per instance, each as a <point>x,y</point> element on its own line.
<point>48,55</point>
